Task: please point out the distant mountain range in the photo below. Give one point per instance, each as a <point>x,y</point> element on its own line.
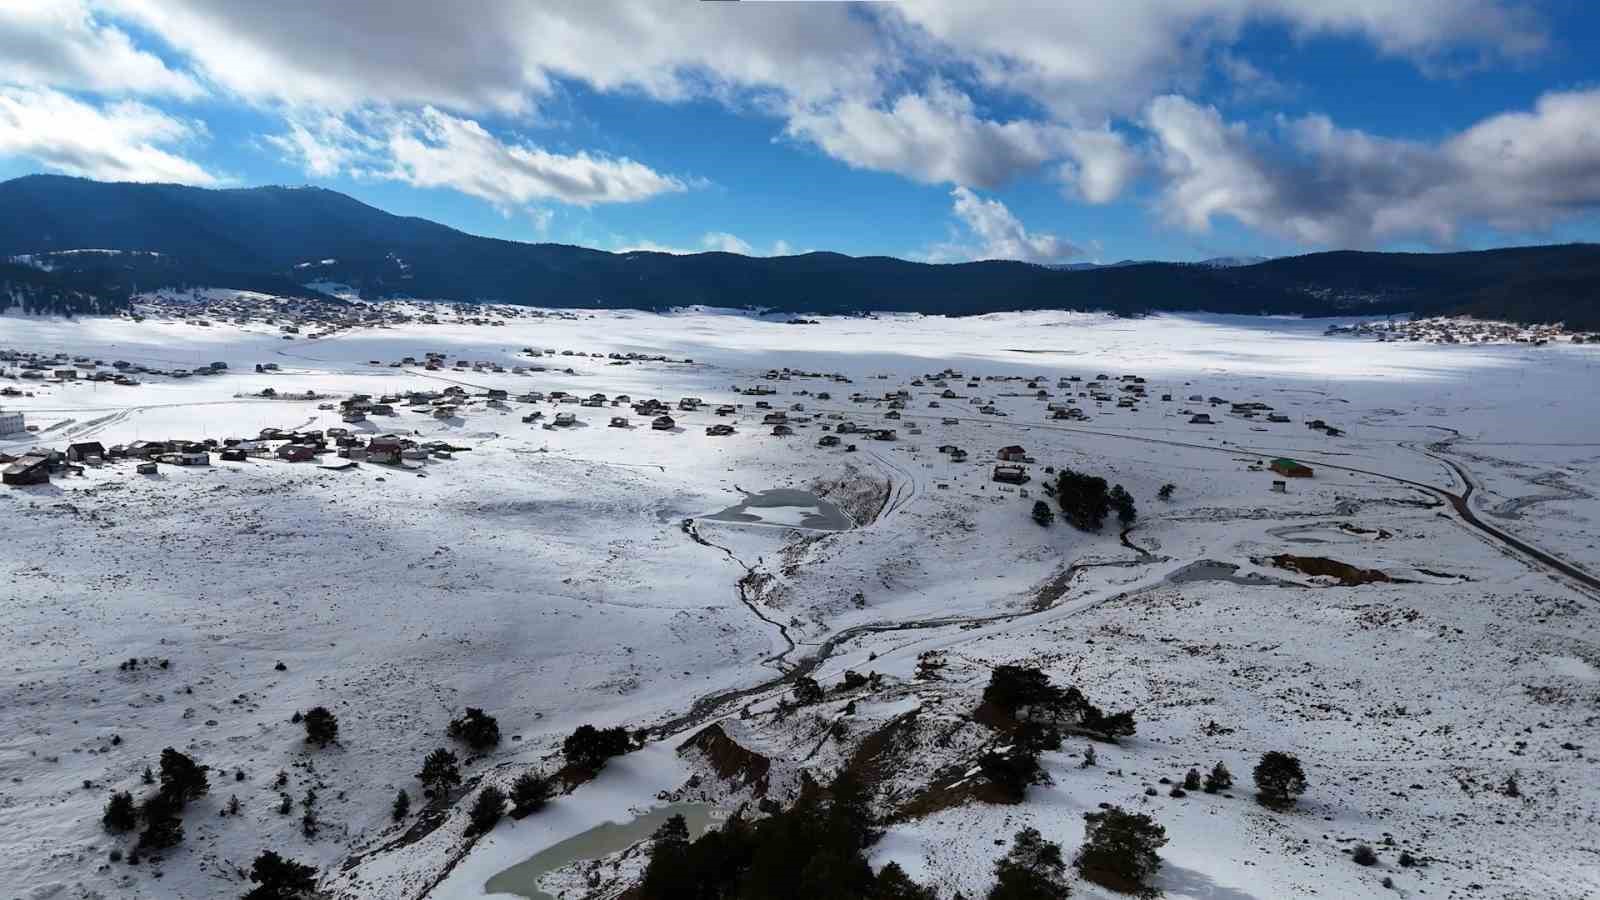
<point>74,245</point>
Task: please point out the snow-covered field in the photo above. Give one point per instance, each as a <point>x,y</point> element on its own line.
<point>547,576</point>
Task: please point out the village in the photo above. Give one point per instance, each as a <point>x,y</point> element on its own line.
<point>671,522</point>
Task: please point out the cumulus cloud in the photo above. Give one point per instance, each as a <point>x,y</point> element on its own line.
<point>124,141</point>
<point>711,241</point>
<point>62,45</point>
<point>726,243</point>
<point>992,231</point>
<point>1313,182</point>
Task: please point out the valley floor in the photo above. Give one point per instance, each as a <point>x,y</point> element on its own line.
<point>557,577</point>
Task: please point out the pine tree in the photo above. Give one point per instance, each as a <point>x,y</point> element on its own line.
<point>1166,491</point>
<point>529,793</point>
<point>120,814</point>
<point>1042,513</point>
<point>1218,779</point>
<point>486,810</point>
<point>1122,502</point>
<point>439,770</point>
<point>807,691</point>
<point>277,878</point>
<point>1031,870</point>
<point>1191,780</point>
<point>479,730</point>
<point>1119,849</point>
<point>182,779</point>
<point>322,726</point>
<point>589,747</point>
<point>162,826</point>
<point>402,806</point>
<point>1279,779</point>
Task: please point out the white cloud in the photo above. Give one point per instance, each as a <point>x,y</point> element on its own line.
<point>726,243</point>
<point>61,44</point>
<point>711,241</point>
<point>993,232</point>
<point>1313,182</point>
<point>1100,164</point>
<point>123,141</point>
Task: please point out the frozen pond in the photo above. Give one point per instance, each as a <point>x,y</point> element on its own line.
<point>786,506</point>
<point>522,879</point>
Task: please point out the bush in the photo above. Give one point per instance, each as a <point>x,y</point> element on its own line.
<point>1122,502</point>
<point>1279,779</point>
<point>486,810</point>
<point>1191,780</point>
<point>1218,779</point>
<point>807,691</point>
<point>322,726</point>
<point>162,826</point>
<point>1012,772</point>
<point>439,770</point>
<point>589,747</point>
<point>1031,870</point>
<point>1166,491</point>
<point>1043,514</point>
<point>276,878</point>
<point>401,807</point>
<point>480,730</point>
<point>121,814</point>
<point>1364,855</point>
<point>1119,849</point>
<point>529,793</point>
<point>182,779</point>
<point>1013,687</point>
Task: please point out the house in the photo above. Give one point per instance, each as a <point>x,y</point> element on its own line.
<point>883,434</point>
<point>775,418</point>
<point>1277,417</point>
<point>146,468</point>
<point>947,420</point>
<point>1290,468</point>
<point>297,453</point>
<point>187,458</point>
<point>532,417</point>
<point>497,394</point>
<point>620,422</point>
<point>663,423</point>
<point>1013,453</point>
<point>1201,419</point>
<point>781,431</point>
<point>385,450</point>
<point>1010,474</point>
<point>958,455</point>
<point>1279,486</point>
<point>892,414</point>
<point>726,410</point>
<point>85,450</point>
<point>234,454</point>
<point>27,470</point>
<point>12,422</point>
<point>719,430</point>
<point>948,448</point>
<point>828,440</point>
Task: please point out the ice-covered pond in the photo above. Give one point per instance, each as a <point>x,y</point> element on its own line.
<point>786,506</point>
<point>522,879</point>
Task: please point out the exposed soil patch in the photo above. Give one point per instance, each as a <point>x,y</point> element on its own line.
<point>1347,575</point>
<point>730,760</point>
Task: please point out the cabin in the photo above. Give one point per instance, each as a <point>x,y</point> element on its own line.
<point>234,454</point>
<point>958,455</point>
<point>1201,419</point>
<point>84,451</point>
<point>1290,468</point>
<point>663,423</point>
<point>12,422</point>
<point>1279,486</point>
<point>187,458</point>
<point>27,470</point>
<point>297,453</point>
<point>726,409</point>
<point>828,440</point>
<point>884,434</point>
<point>1013,453</point>
<point>719,430</point>
<point>1009,474</point>
<point>775,418</point>
<point>781,431</point>
<point>145,468</point>
<point>892,414</point>
<point>619,422</point>
<point>385,450</point>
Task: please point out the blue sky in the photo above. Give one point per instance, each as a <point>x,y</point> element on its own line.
<point>1052,132</point>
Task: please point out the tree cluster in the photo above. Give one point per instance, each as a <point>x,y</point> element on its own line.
<point>589,747</point>
<point>529,793</point>
<point>478,729</point>
<point>1086,500</point>
<point>1031,870</point>
<point>1013,689</point>
<point>1119,850</point>
<point>277,878</point>
<point>486,810</point>
<point>440,770</point>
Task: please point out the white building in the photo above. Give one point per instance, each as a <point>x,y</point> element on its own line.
<point>11,422</point>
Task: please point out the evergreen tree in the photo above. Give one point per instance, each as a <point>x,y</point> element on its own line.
<point>1042,513</point>
<point>589,747</point>
<point>1166,491</point>
<point>1191,781</point>
<point>439,770</point>
<point>1122,502</point>
<point>120,814</point>
<point>480,730</point>
<point>277,878</point>
<point>529,793</point>
<point>894,884</point>
<point>402,806</point>
<point>486,810</point>
<point>669,869</point>
<point>1279,779</point>
<point>1012,772</point>
<point>322,726</point>
<point>1119,850</point>
<point>182,779</point>
<point>1084,499</point>
<point>1218,779</point>
<point>807,691</point>
<point>1031,870</point>
<point>163,827</point>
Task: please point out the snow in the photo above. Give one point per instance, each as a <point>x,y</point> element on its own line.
<point>545,575</point>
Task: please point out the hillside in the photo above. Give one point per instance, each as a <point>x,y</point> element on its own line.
<point>280,238</point>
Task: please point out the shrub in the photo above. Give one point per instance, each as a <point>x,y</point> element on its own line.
<point>589,747</point>
<point>162,826</point>
<point>120,814</point>
<point>1279,779</point>
<point>1406,860</point>
<point>276,878</point>
<point>322,726</point>
<point>182,779</point>
<point>1511,788</point>
<point>478,729</point>
<point>1043,514</point>
<point>439,770</point>
<point>1031,870</point>
<point>401,807</point>
<point>1218,779</point>
<point>1364,855</point>
<point>1122,502</point>
<point>529,793</point>
<point>807,691</point>
<point>1166,491</point>
<point>1012,772</point>
<point>1089,758</point>
<point>1013,687</point>
<point>1191,780</point>
<point>486,810</point>
<point>1119,849</point>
